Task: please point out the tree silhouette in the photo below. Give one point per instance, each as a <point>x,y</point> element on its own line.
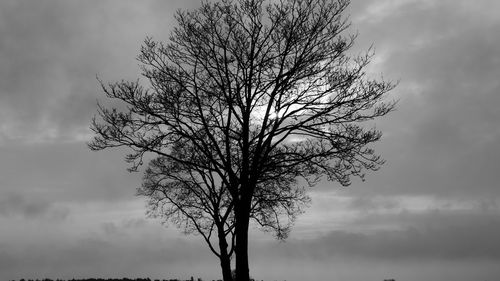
<point>192,199</point>
<point>249,103</point>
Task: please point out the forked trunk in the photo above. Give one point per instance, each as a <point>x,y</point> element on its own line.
<point>225,259</point>
<point>225,263</point>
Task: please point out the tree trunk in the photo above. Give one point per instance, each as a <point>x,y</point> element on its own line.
<point>225,263</point>
<point>242,220</point>
<point>225,259</point>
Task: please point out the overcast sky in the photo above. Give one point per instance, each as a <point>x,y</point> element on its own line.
<point>431,213</point>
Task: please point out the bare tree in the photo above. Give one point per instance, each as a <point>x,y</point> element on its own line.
<point>197,201</point>
<point>192,199</point>
<point>247,104</point>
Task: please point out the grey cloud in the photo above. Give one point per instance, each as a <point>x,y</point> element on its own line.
<point>51,52</point>
<point>431,236</point>
<point>125,227</point>
<point>108,257</point>
<point>39,47</point>
<point>369,204</point>
<point>111,229</point>
<point>16,204</point>
<point>442,139</point>
<point>65,173</point>
<point>134,223</point>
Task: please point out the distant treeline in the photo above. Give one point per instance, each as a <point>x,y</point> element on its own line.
<point>110,279</point>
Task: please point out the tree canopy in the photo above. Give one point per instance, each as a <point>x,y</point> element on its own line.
<point>246,105</point>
